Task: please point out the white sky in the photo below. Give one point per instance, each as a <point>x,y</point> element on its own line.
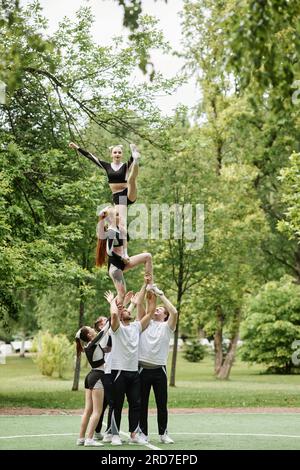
<point>108,23</point>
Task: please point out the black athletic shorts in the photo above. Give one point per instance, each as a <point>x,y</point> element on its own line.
<point>120,198</point>
<point>117,261</point>
<point>94,379</point>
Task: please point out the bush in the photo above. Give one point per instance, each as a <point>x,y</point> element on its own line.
<point>272,324</point>
<point>54,353</point>
<point>194,351</point>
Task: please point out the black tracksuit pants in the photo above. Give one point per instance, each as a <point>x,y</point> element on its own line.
<point>126,383</point>
<point>156,378</point>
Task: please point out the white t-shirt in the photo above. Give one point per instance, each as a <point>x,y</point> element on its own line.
<point>107,364</point>
<point>154,343</point>
<point>125,347</point>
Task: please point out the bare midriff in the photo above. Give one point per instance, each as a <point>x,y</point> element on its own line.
<point>118,250</point>
<point>115,187</point>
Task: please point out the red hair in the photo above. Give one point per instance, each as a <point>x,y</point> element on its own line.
<point>100,252</point>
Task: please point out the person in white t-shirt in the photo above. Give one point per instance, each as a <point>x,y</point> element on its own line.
<point>153,354</point>
<point>125,335</point>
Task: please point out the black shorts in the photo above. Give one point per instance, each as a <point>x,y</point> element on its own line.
<point>120,198</point>
<point>94,379</point>
<point>117,261</point>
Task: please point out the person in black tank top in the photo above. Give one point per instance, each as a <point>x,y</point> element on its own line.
<point>93,344</point>
<point>121,178</point>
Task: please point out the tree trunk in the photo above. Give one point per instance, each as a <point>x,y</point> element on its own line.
<point>297,264</point>
<point>174,354</point>
<point>218,340</point>
<point>78,359</point>
<point>22,348</point>
<point>179,297</point>
<point>225,369</point>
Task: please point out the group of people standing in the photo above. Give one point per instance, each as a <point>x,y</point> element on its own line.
<point>127,356</point>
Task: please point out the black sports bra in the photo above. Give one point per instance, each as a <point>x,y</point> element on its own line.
<point>118,176</point>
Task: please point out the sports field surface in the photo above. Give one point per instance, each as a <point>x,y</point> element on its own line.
<point>191,431</point>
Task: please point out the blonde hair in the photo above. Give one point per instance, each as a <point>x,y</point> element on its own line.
<point>114,146</point>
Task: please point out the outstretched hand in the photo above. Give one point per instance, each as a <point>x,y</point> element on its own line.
<point>109,296</point>
<point>72,145</point>
<point>128,297</point>
<point>148,278</point>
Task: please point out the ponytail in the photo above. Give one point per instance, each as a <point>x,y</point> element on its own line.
<point>81,337</point>
<point>100,252</point>
<point>79,348</point>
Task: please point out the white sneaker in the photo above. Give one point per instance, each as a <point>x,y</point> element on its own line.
<point>80,441</point>
<point>115,440</point>
<point>165,439</point>
<point>107,437</point>
<point>143,436</point>
<point>135,153</point>
<point>92,443</point>
<point>138,439</point>
<point>153,288</point>
<point>98,436</point>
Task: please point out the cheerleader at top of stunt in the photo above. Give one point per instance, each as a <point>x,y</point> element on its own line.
<point>121,178</point>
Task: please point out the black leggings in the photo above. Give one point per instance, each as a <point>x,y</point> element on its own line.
<point>126,383</point>
<point>108,401</point>
<point>156,378</point>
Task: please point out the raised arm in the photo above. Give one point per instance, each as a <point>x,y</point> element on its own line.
<point>151,305</point>
<point>137,301</point>
<point>173,314</point>
<point>114,316</point>
<point>88,155</point>
<point>151,302</point>
<point>114,311</point>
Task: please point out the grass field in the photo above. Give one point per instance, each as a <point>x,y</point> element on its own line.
<point>21,384</point>
<point>190,432</point>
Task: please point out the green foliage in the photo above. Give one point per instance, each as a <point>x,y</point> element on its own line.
<point>194,351</point>
<point>54,353</point>
<point>290,178</point>
<point>272,324</point>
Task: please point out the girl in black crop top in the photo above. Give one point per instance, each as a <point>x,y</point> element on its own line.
<point>94,348</point>
<point>123,175</point>
<point>121,178</point>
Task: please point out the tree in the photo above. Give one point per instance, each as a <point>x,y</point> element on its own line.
<point>272,324</point>
<point>290,179</point>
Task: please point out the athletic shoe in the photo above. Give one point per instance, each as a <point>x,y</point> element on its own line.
<point>143,436</point>
<point>138,439</point>
<point>107,437</point>
<point>115,440</point>
<point>92,443</point>
<point>165,439</point>
<point>80,442</point>
<point>135,153</point>
<point>153,288</point>
<point>98,436</point>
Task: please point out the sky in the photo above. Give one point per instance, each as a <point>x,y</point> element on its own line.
<point>108,23</point>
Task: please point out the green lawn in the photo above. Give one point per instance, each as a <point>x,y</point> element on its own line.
<point>22,385</point>
<point>193,431</point>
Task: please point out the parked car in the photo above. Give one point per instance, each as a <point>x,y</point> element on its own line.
<point>16,345</point>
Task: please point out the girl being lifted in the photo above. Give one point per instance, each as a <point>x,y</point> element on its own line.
<point>111,244</point>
